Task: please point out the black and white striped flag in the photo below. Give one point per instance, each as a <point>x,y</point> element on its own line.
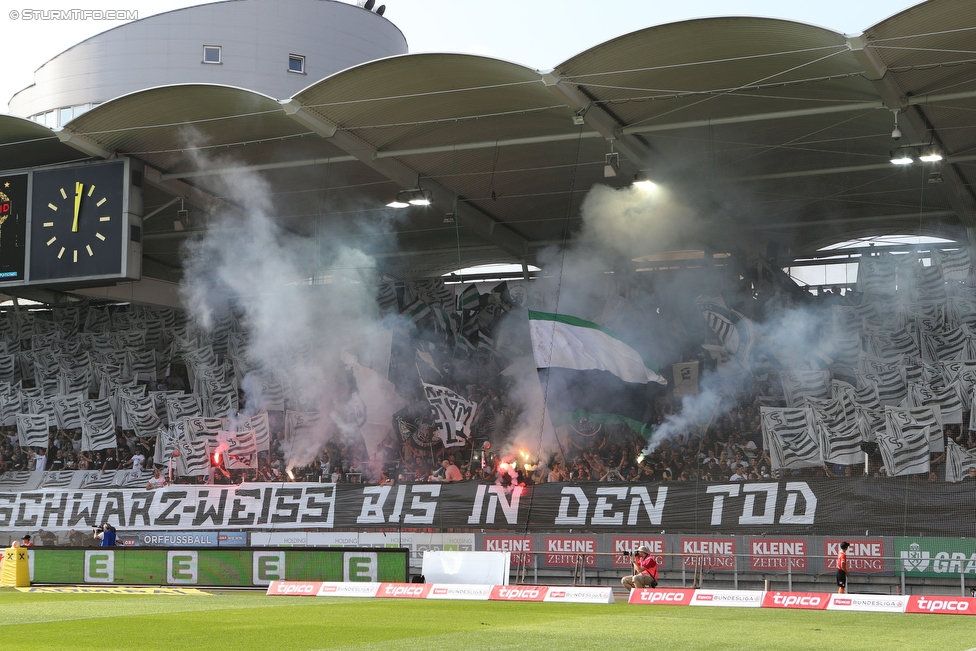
<point>299,422</point>
<point>951,346</point>
<point>8,368</point>
<point>799,385</point>
<point>240,449</point>
<point>220,399</point>
<point>904,443</point>
<point>893,344</point>
<point>141,416</point>
<point>876,274</point>
<point>260,425</point>
<point>196,428</point>
<point>948,400</point>
<point>11,404</point>
<point>264,390</point>
<point>790,437</point>
<point>954,265</point>
<point>43,406</point>
<point>97,425</point>
<point>32,430</point>
<point>180,406</point>
<point>958,461</point>
<point>67,412</point>
<point>194,459</point>
<point>890,386</point>
<point>140,365</point>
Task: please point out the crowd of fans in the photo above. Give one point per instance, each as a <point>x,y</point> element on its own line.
<point>727,449</point>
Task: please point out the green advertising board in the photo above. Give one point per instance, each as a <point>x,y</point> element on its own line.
<point>937,557</point>
<point>215,567</point>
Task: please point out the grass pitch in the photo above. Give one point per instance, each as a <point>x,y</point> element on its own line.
<point>246,621</point>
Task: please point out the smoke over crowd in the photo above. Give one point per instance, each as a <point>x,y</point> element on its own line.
<point>307,334</point>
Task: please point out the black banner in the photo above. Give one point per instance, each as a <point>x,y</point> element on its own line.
<point>828,507</point>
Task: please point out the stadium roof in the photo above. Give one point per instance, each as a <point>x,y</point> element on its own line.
<point>774,131</point>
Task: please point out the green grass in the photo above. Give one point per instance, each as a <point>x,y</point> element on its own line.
<point>246,621</point>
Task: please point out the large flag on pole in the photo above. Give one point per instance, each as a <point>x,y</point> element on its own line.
<point>584,366</point>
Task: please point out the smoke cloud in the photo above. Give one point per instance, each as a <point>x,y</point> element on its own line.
<point>247,263</point>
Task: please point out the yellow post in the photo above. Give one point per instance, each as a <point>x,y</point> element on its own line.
<point>15,570</point>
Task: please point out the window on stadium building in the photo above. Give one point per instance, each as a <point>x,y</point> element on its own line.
<point>211,54</point>
<point>296,63</point>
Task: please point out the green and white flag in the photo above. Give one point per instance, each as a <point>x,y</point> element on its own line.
<point>563,341</point>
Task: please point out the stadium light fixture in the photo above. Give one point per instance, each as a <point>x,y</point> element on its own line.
<point>642,182</point>
<point>931,155</point>
<point>902,156</point>
<point>612,165</point>
<point>407,198</point>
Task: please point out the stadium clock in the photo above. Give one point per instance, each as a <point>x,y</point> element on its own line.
<point>79,219</point>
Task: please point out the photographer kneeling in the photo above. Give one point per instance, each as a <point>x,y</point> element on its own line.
<point>645,570</point>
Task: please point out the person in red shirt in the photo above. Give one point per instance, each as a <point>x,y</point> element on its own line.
<point>26,542</point>
<point>645,570</point>
<point>842,567</point>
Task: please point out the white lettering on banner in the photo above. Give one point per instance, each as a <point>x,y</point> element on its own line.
<point>942,605</point>
<point>862,555</point>
<point>375,498</point>
<point>293,588</point>
<point>794,490</point>
<point>186,507</point>
<point>574,506</point>
<point>571,545</point>
<point>707,547</point>
<point>748,510</point>
<point>499,544</point>
<point>779,547</point>
<point>678,597</point>
<point>709,553</point>
<point>403,590</point>
<point>496,498</point>
<point>181,567</point>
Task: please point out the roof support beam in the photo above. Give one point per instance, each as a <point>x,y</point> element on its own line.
<point>82,143</point>
<point>754,117</point>
<point>796,113</point>
<point>597,118</point>
<point>194,196</point>
<point>915,126</point>
<point>480,222</point>
<point>846,169</point>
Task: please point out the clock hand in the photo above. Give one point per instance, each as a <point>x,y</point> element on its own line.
<point>78,188</point>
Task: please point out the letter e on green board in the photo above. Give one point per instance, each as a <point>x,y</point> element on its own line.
<point>268,567</point>
<point>360,566</point>
<point>181,567</point>
<point>99,566</point>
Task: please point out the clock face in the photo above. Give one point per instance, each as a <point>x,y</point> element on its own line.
<point>77,228</point>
